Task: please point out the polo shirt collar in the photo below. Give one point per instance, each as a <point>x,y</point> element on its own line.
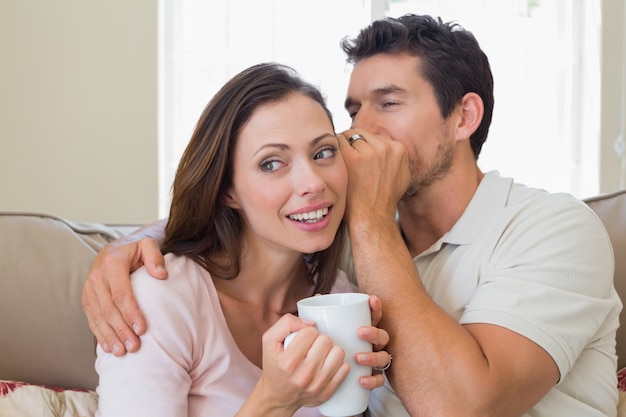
<point>488,201</point>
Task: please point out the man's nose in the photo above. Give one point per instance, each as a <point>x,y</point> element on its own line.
<point>364,119</point>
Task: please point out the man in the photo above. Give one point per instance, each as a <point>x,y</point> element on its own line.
<point>498,298</point>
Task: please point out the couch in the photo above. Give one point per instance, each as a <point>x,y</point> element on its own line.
<point>47,351</point>
<point>45,339</point>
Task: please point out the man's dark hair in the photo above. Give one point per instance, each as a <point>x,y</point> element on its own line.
<point>451,60</point>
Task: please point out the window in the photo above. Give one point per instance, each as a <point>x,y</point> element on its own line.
<point>205,43</point>
<point>545,130</point>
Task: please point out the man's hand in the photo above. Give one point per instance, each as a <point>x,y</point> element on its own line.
<point>378,175</point>
<point>108,300</point>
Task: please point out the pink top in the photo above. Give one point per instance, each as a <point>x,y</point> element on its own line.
<point>188,363</point>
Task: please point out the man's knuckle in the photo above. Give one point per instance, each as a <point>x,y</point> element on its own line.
<point>92,326</point>
<point>118,296</point>
<point>109,310</point>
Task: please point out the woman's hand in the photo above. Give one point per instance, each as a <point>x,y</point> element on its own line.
<point>379,338</point>
<point>308,372</point>
<point>303,375</point>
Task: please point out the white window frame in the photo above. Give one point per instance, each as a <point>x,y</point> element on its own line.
<point>204,43</point>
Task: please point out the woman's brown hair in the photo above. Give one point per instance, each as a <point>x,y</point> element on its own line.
<point>200,225</point>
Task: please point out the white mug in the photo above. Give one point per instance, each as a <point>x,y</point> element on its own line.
<point>339,316</point>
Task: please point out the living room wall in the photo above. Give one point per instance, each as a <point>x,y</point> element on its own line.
<point>613,96</point>
<point>78,109</point>
<point>79,105</point>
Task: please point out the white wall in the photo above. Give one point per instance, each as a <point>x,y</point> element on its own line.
<point>613,105</point>
<point>78,109</point>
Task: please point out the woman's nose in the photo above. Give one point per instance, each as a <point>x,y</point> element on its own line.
<point>308,180</point>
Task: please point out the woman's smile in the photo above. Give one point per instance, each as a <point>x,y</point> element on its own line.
<point>311,216</point>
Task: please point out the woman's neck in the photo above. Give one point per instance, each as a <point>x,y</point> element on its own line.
<point>264,291</point>
<point>272,281</point>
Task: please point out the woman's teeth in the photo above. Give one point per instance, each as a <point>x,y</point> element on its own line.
<point>310,217</point>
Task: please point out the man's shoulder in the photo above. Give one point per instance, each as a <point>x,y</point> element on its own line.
<point>518,195</point>
<point>540,201</point>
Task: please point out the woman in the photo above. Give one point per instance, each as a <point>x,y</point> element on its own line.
<point>261,184</point>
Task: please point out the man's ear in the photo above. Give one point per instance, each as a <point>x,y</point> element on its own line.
<point>230,199</point>
<point>472,111</point>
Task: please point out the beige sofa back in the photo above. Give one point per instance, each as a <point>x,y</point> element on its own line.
<point>611,208</point>
<point>44,335</point>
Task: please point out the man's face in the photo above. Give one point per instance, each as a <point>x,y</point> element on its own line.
<point>387,96</point>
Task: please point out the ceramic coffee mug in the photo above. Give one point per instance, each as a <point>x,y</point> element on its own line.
<point>339,316</point>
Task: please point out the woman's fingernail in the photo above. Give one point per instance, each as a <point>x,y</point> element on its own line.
<point>129,345</point>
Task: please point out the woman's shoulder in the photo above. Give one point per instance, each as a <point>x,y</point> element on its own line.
<point>185,281</point>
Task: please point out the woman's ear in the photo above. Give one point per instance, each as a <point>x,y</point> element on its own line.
<point>472,111</point>
<point>230,199</point>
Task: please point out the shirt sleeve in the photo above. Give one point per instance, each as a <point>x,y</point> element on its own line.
<point>550,279</point>
<point>155,380</point>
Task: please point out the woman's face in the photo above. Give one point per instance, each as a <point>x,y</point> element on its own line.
<point>289,177</point>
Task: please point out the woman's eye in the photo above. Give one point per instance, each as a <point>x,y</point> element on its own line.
<point>269,166</point>
<point>325,153</point>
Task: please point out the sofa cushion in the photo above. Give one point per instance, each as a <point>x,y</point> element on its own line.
<point>45,335</point>
<point>27,400</point>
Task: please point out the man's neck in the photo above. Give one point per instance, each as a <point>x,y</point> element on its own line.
<point>426,217</point>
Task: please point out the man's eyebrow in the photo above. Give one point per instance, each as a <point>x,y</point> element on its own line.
<point>377,92</point>
<point>390,89</point>
<point>349,103</point>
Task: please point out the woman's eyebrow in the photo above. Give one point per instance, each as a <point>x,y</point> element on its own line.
<point>316,140</point>
<point>284,146</point>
